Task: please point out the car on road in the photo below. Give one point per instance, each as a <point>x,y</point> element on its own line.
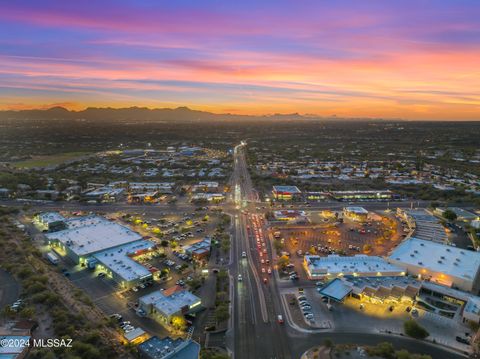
<point>279,319</point>
<point>244,254</point>
<point>240,278</point>
<point>269,270</point>
<point>309,316</point>
<point>265,280</point>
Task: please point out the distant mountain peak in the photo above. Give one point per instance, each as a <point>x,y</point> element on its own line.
<point>57,109</point>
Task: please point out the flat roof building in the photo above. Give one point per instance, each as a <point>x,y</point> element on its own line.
<point>285,192</point>
<point>160,187</point>
<point>200,249</point>
<point>118,264</point>
<point>168,348</point>
<point>86,236</point>
<point>211,197</point>
<point>439,263</point>
<point>50,221</point>
<point>290,215</point>
<point>360,265</point>
<point>356,213</point>
<point>381,195</point>
<point>105,194</point>
<point>163,307</point>
<point>206,186</point>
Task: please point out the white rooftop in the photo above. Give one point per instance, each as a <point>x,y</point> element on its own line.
<point>118,261</point>
<point>134,334</point>
<point>92,234</point>
<point>105,190</point>
<point>334,264</point>
<point>171,304</point>
<point>357,210</point>
<point>438,257</point>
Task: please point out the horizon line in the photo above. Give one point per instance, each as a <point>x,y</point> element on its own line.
<point>46,108</point>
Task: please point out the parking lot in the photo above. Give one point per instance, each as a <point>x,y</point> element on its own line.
<point>374,237</point>
<point>171,232</point>
<point>357,315</point>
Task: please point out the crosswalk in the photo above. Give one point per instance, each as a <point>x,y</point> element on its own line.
<point>190,332</point>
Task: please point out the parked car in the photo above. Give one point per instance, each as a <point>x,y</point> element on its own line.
<point>116,316</point>
<point>462,340</point>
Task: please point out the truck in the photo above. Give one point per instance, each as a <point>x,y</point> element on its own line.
<point>52,258</point>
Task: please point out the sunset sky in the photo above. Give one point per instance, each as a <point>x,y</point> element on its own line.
<point>408,59</point>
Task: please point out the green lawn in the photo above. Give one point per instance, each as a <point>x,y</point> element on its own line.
<point>44,161</point>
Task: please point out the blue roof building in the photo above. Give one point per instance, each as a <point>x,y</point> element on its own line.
<point>168,348</point>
